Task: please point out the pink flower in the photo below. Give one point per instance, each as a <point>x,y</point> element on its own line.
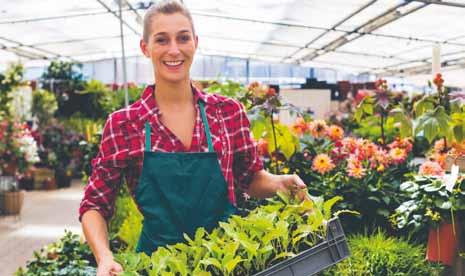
<point>397,155</point>
<point>431,168</point>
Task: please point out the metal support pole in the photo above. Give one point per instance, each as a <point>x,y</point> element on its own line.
<point>123,61</point>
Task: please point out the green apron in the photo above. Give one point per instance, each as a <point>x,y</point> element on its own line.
<point>180,192</point>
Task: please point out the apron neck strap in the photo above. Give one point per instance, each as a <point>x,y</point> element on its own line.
<point>148,146</point>
<point>206,126</point>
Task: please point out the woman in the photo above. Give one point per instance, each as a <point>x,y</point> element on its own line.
<point>202,143</point>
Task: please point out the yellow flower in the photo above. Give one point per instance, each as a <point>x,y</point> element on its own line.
<point>335,132</point>
<point>380,168</point>
<point>435,216</point>
<point>322,163</point>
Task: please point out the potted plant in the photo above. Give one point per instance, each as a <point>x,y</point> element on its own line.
<point>18,149</point>
<point>436,205</point>
<point>437,116</point>
<point>58,145</point>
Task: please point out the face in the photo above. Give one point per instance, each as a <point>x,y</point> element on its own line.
<point>171,47</point>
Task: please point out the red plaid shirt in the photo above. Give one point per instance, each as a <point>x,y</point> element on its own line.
<point>123,143</point>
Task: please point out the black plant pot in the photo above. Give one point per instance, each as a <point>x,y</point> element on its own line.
<point>63,179</point>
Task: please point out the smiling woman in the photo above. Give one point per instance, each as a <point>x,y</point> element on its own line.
<point>181,151</point>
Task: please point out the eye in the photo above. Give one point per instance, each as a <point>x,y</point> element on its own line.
<point>161,40</point>
<point>184,38</point>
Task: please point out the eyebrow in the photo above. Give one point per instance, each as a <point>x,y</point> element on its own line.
<point>165,33</point>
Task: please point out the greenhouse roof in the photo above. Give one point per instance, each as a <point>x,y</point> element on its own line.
<point>383,37</point>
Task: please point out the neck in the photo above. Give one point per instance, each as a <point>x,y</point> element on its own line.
<point>173,93</point>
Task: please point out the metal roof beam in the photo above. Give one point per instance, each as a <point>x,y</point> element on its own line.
<point>304,26</point>
<point>442,3</point>
<point>20,46</point>
<point>48,18</point>
<point>371,2</point>
<point>117,16</point>
<point>368,27</point>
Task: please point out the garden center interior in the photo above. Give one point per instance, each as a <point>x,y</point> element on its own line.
<point>364,100</point>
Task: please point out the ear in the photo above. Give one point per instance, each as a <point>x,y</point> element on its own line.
<point>196,41</point>
<point>144,48</point>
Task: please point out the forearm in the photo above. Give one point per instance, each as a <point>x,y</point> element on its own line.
<point>264,184</point>
<point>96,233</point>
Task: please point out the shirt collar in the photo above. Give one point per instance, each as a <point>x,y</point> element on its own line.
<point>148,106</point>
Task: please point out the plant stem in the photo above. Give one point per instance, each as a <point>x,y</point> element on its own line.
<point>383,138</point>
<point>275,143</point>
<point>445,145</point>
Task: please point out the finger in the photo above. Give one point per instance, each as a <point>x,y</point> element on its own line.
<point>299,182</point>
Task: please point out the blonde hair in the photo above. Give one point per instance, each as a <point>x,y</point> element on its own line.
<point>164,7</point>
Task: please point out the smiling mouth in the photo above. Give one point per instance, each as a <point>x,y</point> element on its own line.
<point>174,63</point>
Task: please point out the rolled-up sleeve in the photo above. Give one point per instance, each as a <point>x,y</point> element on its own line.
<point>107,168</point>
<point>247,161</point>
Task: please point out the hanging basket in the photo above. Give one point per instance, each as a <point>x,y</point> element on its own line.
<point>442,244</point>
<point>458,160</point>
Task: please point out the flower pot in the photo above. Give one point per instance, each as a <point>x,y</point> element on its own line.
<point>442,244</point>
<point>457,160</point>
<point>13,202</point>
<point>44,178</point>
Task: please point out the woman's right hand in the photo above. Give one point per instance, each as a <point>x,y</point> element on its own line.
<point>108,267</point>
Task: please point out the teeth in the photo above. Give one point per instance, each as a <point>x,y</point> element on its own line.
<point>173,63</point>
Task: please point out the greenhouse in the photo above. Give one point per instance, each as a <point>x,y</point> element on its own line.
<point>257,137</point>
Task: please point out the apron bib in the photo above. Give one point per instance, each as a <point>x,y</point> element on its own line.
<point>180,192</point>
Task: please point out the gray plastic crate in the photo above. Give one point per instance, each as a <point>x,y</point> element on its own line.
<point>311,261</point>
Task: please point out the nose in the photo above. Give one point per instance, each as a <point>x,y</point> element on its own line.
<point>174,48</point>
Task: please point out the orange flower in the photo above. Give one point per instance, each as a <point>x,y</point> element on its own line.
<point>335,132</point>
<point>440,158</point>
<point>318,128</point>
<point>355,168</point>
<point>300,126</point>
<point>431,168</point>
<point>398,155</point>
<point>370,149</point>
<point>322,163</point>
<point>459,148</point>
<point>356,171</point>
<point>439,145</point>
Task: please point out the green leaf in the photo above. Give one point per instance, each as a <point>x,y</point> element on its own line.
<point>423,105</point>
<point>430,188</point>
<point>284,139</point>
<point>409,186</point>
<point>231,265</point>
<point>328,205</point>
<point>212,261</point>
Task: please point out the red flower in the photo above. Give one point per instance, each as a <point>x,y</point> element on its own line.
<point>438,80</point>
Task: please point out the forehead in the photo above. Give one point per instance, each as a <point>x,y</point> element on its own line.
<point>170,23</point>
